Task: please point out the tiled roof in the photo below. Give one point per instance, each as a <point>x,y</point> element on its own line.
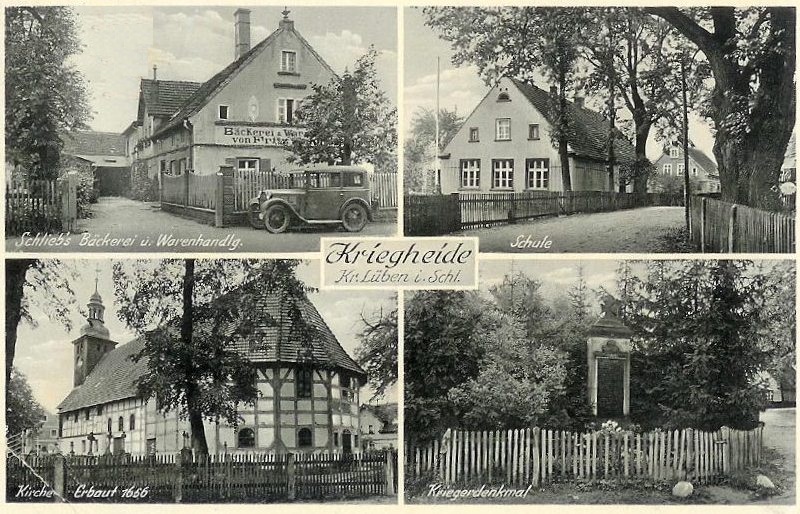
<point>591,128</point>
<point>164,97</point>
<point>89,142</point>
<point>269,339</point>
<point>206,91</point>
<point>704,161</point>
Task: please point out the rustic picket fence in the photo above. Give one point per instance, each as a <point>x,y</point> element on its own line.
<point>536,456</point>
<point>723,227</point>
<point>441,214</point>
<point>223,477</point>
<point>39,205</point>
<point>190,190</point>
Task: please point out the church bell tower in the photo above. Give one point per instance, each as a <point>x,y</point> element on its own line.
<point>94,341</point>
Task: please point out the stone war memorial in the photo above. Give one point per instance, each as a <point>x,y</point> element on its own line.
<point>609,362</point>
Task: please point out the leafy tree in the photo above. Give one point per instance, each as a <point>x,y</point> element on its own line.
<point>36,285</point>
<point>377,353</point>
<point>578,296</point>
<point>777,312</point>
<point>515,42</point>
<point>751,53</point>
<point>418,148</point>
<point>349,120</point>
<point>45,95</point>
<point>23,412</point>
<point>184,309</point>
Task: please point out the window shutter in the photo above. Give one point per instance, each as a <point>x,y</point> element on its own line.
<point>265,165</point>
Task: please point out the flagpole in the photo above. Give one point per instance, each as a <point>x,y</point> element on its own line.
<point>438,177</point>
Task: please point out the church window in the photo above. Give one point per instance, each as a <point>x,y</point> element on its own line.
<point>86,414</point>
<point>132,422</point>
<point>246,438</point>
<point>304,438</point>
<point>305,382</point>
<point>336,439</point>
<point>108,425</point>
<point>75,417</point>
<point>120,424</point>
<point>99,410</point>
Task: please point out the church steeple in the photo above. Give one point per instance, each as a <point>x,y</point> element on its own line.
<point>94,341</point>
<point>95,325</point>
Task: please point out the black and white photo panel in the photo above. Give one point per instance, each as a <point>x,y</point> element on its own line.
<point>604,382</point>
<point>601,129</point>
<point>197,381</point>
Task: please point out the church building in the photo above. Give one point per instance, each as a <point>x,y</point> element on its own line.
<point>308,390</point>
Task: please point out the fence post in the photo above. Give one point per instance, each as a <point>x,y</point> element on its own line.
<point>218,199</point>
<point>389,461</point>
<point>455,217</point>
<point>290,472</point>
<point>185,189</point>
<point>224,196</point>
<point>732,229</point>
<point>703,225</point>
<point>59,478</point>
<point>177,485</point>
<point>725,432</point>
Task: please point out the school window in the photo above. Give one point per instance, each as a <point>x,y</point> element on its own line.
<point>679,170</point>
<point>538,173</point>
<point>503,129</point>
<point>674,153</point>
<point>304,438</point>
<point>247,164</point>
<point>223,112</point>
<point>473,134</point>
<point>667,169</point>
<point>246,438</point>
<point>533,131</point>
<point>305,382</point>
<point>503,173</point>
<point>470,173</point>
<point>289,61</point>
<point>287,107</point>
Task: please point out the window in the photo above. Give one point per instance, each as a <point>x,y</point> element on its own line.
<point>674,152</point>
<point>304,438</point>
<point>679,169</point>
<point>247,164</point>
<point>353,180</point>
<point>371,430</point>
<point>72,446</point>
<point>336,439</point>
<point>667,169</point>
<point>503,129</point>
<point>83,447</point>
<point>503,97</point>
<point>533,131</point>
<point>108,425</point>
<point>289,61</point>
<point>151,446</point>
<point>132,422</point>
<point>538,173</point>
<point>86,414</point>
<point>694,171</point>
<point>287,107</point>
<point>246,438</point>
<point>163,169</point>
<point>120,424</point>
<point>75,417</point>
<point>474,134</point>
<point>305,382</point>
<point>223,112</point>
<point>502,173</point>
<point>470,173</point>
<point>100,407</point>
<point>53,432</point>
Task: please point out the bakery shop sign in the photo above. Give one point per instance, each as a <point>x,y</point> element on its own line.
<point>241,135</point>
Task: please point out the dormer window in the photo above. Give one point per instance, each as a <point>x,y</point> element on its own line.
<point>503,97</point>
<point>288,61</point>
<point>674,153</point>
<point>222,112</point>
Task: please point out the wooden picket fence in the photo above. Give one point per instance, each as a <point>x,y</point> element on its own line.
<point>189,190</point>
<point>723,227</point>
<point>384,189</point>
<point>223,477</point>
<point>40,206</point>
<point>539,456</point>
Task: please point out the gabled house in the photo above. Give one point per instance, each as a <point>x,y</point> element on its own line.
<point>378,426</point>
<point>243,116</point>
<point>102,154</point>
<point>308,389</point>
<point>703,173</point>
<point>504,145</point>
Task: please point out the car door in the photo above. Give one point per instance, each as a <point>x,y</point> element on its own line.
<point>324,195</point>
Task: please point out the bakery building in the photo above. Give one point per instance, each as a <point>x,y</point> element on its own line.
<point>308,390</point>
<point>243,116</point>
<point>504,146</point>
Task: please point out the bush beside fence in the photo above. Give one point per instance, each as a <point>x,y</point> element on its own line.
<point>215,478</point>
<point>431,215</point>
<point>536,456</point>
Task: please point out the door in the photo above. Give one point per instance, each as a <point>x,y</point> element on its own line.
<point>347,443</point>
<point>610,387</point>
<point>119,445</point>
<point>324,195</point>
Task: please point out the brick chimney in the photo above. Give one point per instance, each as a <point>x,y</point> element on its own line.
<point>242,24</point>
<point>579,102</point>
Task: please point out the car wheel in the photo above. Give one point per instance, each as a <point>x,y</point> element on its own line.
<point>354,217</point>
<point>255,221</point>
<point>277,218</point>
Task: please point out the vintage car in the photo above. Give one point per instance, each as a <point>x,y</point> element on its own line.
<point>315,196</point>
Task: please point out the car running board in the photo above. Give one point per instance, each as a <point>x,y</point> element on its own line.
<point>321,222</point>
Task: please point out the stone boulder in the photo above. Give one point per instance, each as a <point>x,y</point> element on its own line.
<point>764,482</point>
<point>682,489</point>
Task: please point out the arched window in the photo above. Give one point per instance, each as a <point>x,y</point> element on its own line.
<point>305,382</point>
<point>132,422</point>
<point>109,425</point>
<point>246,438</point>
<point>503,97</point>
<point>121,424</point>
<point>304,438</point>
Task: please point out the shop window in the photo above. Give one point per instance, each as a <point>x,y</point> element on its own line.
<point>132,422</point>
<point>502,129</point>
<point>305,382</point>
<point>503,173</point>
<point>246,438</point>
<point>533,131</point>
<point>289,61</point>
<point>470,173</point>
<point>474,135</point>
<point>538,173</point>
<point>222,112</point>
<point>304,438</point>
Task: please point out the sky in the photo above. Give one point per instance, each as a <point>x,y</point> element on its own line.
<point>121,45</point>
<point>44,354</point>
<point>461,89</point>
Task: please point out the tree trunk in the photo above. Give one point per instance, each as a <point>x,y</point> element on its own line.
<point>563,150</point>
<point>16,269</point>
<point>640,175</point>
<point>187,329</point>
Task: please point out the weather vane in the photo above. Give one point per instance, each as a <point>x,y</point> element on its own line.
<point>285,12</point>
